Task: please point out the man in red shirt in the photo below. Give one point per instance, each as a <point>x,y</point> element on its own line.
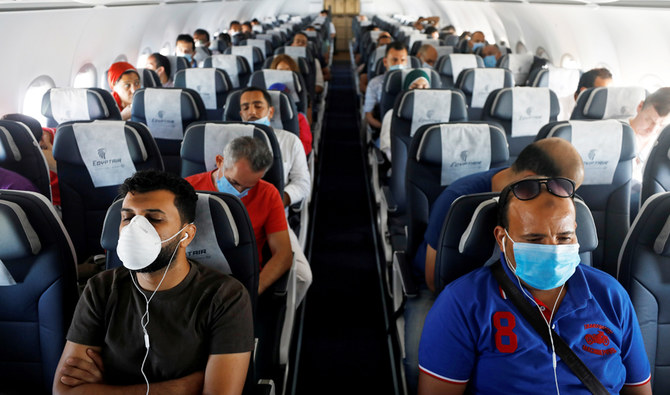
<point>239,172</point>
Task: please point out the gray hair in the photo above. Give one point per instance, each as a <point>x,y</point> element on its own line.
<point>253,149</point>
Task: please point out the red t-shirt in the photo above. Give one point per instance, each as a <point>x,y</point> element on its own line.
<point>263,203</point>
<point>305,133</point>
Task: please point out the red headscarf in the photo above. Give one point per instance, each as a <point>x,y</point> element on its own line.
<point>114,73</point>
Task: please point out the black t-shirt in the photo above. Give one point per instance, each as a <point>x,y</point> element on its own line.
<point>207,313</point>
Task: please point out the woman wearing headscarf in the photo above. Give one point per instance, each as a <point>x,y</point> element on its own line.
<point>124,80</point>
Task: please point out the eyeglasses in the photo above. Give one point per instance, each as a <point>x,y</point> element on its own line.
<point>529,188</point>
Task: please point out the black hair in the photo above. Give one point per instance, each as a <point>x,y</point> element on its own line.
<point>203,32</point>
<point>247,23</point>
<point>396,45</point>
<point>503,205</point>
<point>185,198</point>
<point>162,60</point>
<point>234,23</point>
<point>430,30</point>
<point>660,100</point>
<point>187,38</point>
<point>589,78</point>
<point>266,95</point>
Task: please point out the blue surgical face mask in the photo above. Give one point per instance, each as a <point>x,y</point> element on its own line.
<point>490,61</point>
<point>397,67</point>
<point>263,121</point>
<point>188,57</point>
<point>477,45</point>
<point>426,65</point>
<point>544,266</point>
<point>223,185</point>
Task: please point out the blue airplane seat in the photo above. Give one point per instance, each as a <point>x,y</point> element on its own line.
<point>213,85</point>
<point>253,55</point>
<point>38,293</point>
<point>32,123</point>
<point>607,149</point>
<point>285,116</point>
<point>307,71</point>
<point>450,66</point>
<point>91,168</point>
<point>478,83</point>
<point>418,43</point>
<point>264,45</point>
<point>148,78</point>
<point>176,63</point>
<point>393,87</point>
<point>656,177</point>
<point>21,153</point>
<point>293,81</point>
<point>519,64</point>
<point>616,102</point>
<point>235,66</point>
<point>167,112</point>
<point>78,104</point>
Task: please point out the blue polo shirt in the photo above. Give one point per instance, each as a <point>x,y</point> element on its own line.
<point>474,335</point>
<point>473,183</point>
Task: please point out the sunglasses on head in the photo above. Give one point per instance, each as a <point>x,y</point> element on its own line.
<point>529,188</point>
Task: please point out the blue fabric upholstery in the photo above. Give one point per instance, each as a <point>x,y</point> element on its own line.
<point>222,87</point>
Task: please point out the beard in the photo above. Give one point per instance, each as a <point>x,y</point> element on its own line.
<point>163,258</point>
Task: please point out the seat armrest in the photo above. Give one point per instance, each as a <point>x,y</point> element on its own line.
<point>391,204</point>
<point>404,270</point>
<point>264,387</point>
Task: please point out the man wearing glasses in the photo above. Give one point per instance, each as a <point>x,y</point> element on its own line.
<point>474,329</point>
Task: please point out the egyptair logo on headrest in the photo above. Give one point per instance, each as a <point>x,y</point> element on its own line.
<point>623,110</point>
<point>161,114</point>
<point>198,88</point>
<point>529,110</point>
<point>101,153</point>
<point>592,154</point>
<point>464,156</point>
<point>430,113</point>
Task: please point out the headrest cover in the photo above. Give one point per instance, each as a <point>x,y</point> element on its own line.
<point>485,82</point>
<point>562,81</point>
<point>295,52</point>
<point>205,247</point>
<point>443,50</point>
<point>260,44</point>
<point>69,104</point>
<point>19,240</point>
<point>11,148</point>
<point>599,144</point>
<point>283,77</point>
<point>104,151</point>
<point>162,108</point>
<point>204,82</point>
<point>429,106</point>
<point>228,63</point>
<point>621,102</point>
<point>662,242</point>
<point>459,62</point>
<point>246,52</point>
<point>531,109</point>
<point>217,136</point>
<point>519,64</point>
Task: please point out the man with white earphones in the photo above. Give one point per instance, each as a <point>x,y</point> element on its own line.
<point>161,322</point>
<point>537,321</point>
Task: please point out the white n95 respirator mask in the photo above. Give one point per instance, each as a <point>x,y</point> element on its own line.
<point>139,244</point>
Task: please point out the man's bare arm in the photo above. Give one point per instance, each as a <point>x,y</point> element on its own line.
<point>280,263</point>
<point>226,373</point>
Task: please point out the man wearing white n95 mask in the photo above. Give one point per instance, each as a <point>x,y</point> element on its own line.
<point>476,337</point>
<point>161,322</point>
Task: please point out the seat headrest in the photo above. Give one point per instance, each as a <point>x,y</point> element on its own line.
<point>613,102</point>
<point>70,143</point>
<point>456,111</point>
<point>9,150</point>
<point>19,239</point>
<point>567,130</point>
<point>503,102</point>
<point>75,104</point>
<point>32,123</point>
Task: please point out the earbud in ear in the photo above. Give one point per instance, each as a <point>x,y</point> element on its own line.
<point>184,238</point>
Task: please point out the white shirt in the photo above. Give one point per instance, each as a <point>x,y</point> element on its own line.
<point>385,135</point>
<point>319,73</point>
<point>297,182</point>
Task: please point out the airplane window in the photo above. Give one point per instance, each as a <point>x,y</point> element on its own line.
<point>166,50</point>
<point>32,101</point>
<point>86,77</point>
<point>142,59</point>
<point>542,53</point>
<point>569,62</point>
<point>521,48</point>
<point>121,58</point>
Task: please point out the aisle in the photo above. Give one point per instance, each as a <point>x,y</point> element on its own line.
<point>344,346</point>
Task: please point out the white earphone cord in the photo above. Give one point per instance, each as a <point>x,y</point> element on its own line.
<point>146,313</point>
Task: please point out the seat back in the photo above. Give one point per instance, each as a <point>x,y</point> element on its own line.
<point>656,177</point>
<point>176,63</point>
<point>293,81</point>
<point>450,66</point>
<point>253,55</point>
<point>393,84</point>
<point>94,158</point>
<point>262,44</point>
<point>78,104</point>
<point>414,109</point>
<point>467,242</point>
<point>21,153</point>
<point>32,123</point>
<point>419,43</point>
<point>235,66</point>
<point>38,293</point>
<point>561,81</point>
<point>224,238</point>
<point>198,157</point>
<point>521,111</point>
<point>167,112</point>
<point>213,86</point>
<point>519,65</point>
<point>644,271</point>
<point>149,78</point>
<point>607,149</point>
<point>478,83</point>
<point>608,103</point>
<point>285,117</point>
<point>439,154</point>
<point>307,71</point>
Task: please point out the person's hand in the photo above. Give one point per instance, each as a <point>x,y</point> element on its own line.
<point>45,141</point>
<point>78,371</point>
<point>126,112</point>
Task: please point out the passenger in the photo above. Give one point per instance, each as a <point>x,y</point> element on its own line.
<point>238,172</point>
<point>490,54</point>
<point>422,22</point>
<point>234,28</point>
<point>185,46</point>
<point>161,65</point>
<point>395,59</point>
<point>285,62</point>
<point>124,80</point>
<point>474,336</point>
<point>15,181</point>
<point>449,30</point>
<point>383,39</point>
<point>255,106</point>
<point>202,43</point>
<point>246,29</point>
<point>223,42</point>
<point>322,72</point>
<point>432,33</point>
<point>652,114</point>
<point>551,157</point>
<point>415,79</point>
<point>331,26</point>
<point>427,54</point>
<point>594,78</point>
<point>200,335</point>
<point>477,40</point>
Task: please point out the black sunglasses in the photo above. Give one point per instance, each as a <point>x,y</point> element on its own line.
<point>529,188</point>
